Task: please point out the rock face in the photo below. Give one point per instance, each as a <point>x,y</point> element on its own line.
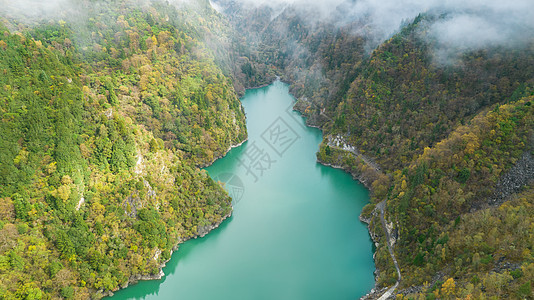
<point>503,265</point>
<point>521,174</point>
<point>439,276</point>
<point>203,230</point>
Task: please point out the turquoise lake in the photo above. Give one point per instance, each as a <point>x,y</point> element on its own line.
<point>294,232</point>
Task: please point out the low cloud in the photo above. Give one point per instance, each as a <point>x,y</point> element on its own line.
<point>465,25</point>
<point>488,25</point>
<point>33,9</point>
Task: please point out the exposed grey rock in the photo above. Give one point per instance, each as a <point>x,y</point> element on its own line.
<point>520,175</point>
<point>439,276</point>
<point>502,265</point>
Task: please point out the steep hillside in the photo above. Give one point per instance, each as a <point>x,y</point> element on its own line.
<point>319,58</point>
<point>446,143</point>
<point>434,205</point>
<point>403,100</point>
<point>446,139</point>
<point>107,115</point>
<point>104,121</point>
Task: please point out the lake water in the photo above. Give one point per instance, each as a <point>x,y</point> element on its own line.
<point>294,232</point>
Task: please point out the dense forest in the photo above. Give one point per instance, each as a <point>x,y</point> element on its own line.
<point>107,116</point>
<point>447,146</point>
<point>446,136</point>
<point>104,123</point>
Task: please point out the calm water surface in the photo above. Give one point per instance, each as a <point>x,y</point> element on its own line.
<point>294,233</point>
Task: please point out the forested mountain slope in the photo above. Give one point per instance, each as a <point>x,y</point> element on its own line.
<point>316,56</point>
<point>447,143</point>
<point>446,135</point>
<point>107,115</point>
<point>403,100</point>
<point>104,120</point>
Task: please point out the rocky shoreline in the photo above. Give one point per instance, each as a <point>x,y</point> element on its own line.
<point>367,182</point>
<point>202,231</point>
<point>359,177</point>
<point>374,293</point>
<point>224,154</point>
<point>241,91</point>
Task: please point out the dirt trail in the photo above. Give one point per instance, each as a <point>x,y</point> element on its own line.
<point>382,206</point>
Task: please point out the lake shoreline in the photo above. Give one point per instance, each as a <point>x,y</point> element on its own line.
<point>224,154</point>
<point>357,175</point>
<point>366,181</point>
<point>204,230</point>
<point>134,279</point>
<point>374,293</point>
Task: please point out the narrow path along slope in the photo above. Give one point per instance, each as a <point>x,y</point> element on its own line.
<point>339,143</point>
<point>381,207</point>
